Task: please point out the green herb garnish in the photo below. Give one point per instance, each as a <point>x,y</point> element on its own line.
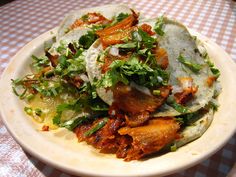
<point>178,107</point>
<point>121,16</point>
<point>156,92</point>
<point>214,70</point>
<point>173,148</point>
<point>88,39</point>
<point>158,28</point>
<point>144,38</point>
<point>193,66</point>
<point>133,69</point>
<point>97,127</point>
<point>73,123</point>
<point>40,62</point>
<point>28,111</point>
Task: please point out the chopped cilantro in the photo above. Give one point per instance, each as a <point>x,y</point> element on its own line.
<point>97,127</point>
<point>40,62</point>
<point>193,66</point>
<point>156,92</point>
<point>144,38</point>
<point>178,107</point>
<point>73,123</point>
<point>121,16</point>
<point>28,111</point>
<point>87,40</point>
<point>38,111</point>
<point>129,45</point>
<point>214,70</point>
<point>173,148</point>
<point>85,17</point>
<point>159,26</point>
<point>133,69</point>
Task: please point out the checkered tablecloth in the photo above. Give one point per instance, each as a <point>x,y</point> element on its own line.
<point>23,20</point>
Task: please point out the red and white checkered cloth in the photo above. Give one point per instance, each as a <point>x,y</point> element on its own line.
<point>23,20</point>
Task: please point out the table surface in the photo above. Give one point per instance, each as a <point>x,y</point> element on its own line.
<point>23,20</point>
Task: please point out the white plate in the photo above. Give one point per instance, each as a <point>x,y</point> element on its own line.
<point>61,149</point>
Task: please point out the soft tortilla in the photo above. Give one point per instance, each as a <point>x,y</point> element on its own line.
<point>71,37</point>
<point>177,40</point>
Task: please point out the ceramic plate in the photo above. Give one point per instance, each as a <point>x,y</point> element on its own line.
<point>61,149</point>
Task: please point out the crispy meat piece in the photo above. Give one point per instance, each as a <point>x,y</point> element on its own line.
<point>117,33</point>
<point>210,80</point>
<point>150,138</point>
<point>147,28</point>
<point>189,90</point>
<point>107,63</point>
<point>130,143</point>
<point>126,23</point>
<point>161,57</point>
<point>136,104</point>
<point>90,18</point>
<point>53,59</point>
<point>135,120</point>
<point>72,48</point>
<point>45,128</point>
<point>106,139</point>
<point>77,81</point>
<point>184,96</point>
<point>116,38</point>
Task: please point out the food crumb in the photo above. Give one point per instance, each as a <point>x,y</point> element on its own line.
<point>45,128</point>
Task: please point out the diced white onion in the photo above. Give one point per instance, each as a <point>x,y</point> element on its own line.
<point>114,51</point>
<point>113,112</point>
<point>159,79</point>
<point>176,89</point>
<point>187,83</point>
<point>142,89</point>
<point>84,77</point>
<point>137,36</point>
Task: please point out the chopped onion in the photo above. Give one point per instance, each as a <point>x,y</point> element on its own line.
<point>186,82</point>
<point>84,77</point>
<point>176,89</point>
<point>114,51</point>
<point>159,79</point>
<point>140,88</point>
<point>137,36</point>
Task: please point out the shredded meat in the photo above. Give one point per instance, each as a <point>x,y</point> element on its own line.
<point>136,104</point>
<point>91,18</point>
<point>161,57</point>
<point>147,28</point>
<point>150,138</point>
